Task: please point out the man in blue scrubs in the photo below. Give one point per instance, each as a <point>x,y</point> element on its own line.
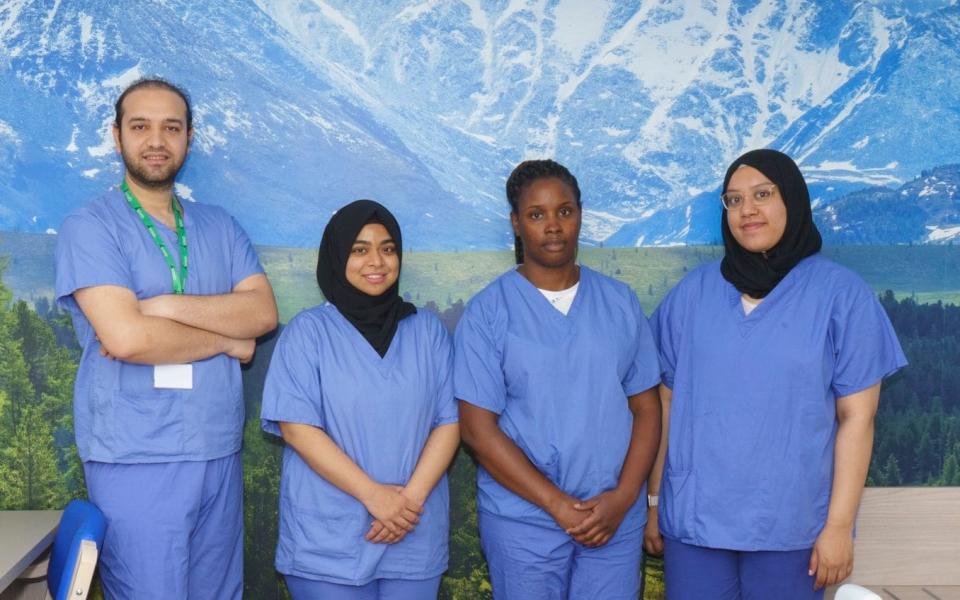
<point>167,299</point>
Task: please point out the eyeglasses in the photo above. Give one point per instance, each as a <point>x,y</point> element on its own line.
<point>760,195</point>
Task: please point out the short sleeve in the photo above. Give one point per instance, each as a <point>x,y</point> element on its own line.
<point>292,392</point>
<point>865,345</point>
<point>665,326</point>
<point>244,262</point>
<point>446,401</point>
<point>87,255</point>
<point>477,374</point>
<point>644,371</point>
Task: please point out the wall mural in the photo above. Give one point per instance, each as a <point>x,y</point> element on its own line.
<point>303,105</point>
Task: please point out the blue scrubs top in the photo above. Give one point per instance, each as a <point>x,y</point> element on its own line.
<point>380,412</point>
<point>559,383</point>
<point>119,417</point>
<point>753,417</point>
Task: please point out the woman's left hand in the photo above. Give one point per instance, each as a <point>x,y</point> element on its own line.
<point>378,532</point>
<point>606,513</point>
<point>832,557</point>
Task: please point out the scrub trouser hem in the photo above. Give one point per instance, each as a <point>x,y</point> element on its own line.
<point>696,572</point>
<point>301,588</point>
<point>530,562</point>
<point>174,530</point>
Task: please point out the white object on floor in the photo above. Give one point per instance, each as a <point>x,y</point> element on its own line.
<point>852,591</point>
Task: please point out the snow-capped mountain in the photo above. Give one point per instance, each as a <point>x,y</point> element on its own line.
<point>901,216</point>
<point>648,103</point>
<point>274,142</point>
<point>304,104</point>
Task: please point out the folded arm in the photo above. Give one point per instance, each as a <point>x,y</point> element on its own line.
<point>248,311</point>
<point>127,334</point>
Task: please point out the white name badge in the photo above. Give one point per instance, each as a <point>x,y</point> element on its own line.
<point>175,377</point>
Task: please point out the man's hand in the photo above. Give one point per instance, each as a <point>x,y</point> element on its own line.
<point>242,350</point>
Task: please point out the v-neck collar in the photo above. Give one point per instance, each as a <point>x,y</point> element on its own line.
<point>383,363</point>
<point>537,299</point>
<point>748,322</point>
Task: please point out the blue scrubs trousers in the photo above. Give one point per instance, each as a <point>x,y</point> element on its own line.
<point>530,562</point>
<point>301,588</point>
<point>174,530</point>
<point>695,572</point>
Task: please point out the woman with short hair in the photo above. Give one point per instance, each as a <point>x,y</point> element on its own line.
<point>556,374</point>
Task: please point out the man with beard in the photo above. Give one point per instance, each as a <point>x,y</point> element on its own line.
<point>167,298</point>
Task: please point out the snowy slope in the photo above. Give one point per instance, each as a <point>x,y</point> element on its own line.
<point>274,142</point>
<point>925,210</point>
<point>427,105</point>
<point>648,102</point>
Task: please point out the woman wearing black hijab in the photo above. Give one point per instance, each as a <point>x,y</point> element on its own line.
<point>771,360</point>
<point>360,390</point>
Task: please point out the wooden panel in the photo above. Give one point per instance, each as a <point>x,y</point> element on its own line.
<point>909,537</point>
<point>927,592</point>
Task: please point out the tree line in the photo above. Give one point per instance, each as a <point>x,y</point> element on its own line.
<point>917,429</point>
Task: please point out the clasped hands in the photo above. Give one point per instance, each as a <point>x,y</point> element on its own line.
<point>592,522</point>
<point>396,513</point>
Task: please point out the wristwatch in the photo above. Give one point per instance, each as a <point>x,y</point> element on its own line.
<point>653,501</point>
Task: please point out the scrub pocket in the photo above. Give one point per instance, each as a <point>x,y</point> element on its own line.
<point>152,424</point>
<point>678,511</point>
<point>323,542</point>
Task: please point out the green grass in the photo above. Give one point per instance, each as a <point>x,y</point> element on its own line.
<point>927,273</point>
<point>446,277</point>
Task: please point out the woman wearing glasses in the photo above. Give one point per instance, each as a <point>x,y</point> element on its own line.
<point>771,361</point>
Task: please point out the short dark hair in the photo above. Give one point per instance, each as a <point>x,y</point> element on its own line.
<point>526,173</point>
<point>152,82</point>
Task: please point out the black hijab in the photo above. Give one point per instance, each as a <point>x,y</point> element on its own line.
<point>375,317</point>
<point>755,273</point>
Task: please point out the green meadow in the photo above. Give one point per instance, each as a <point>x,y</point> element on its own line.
<point>928,274</point>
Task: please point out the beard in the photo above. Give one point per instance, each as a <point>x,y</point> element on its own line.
<point>150,177</point>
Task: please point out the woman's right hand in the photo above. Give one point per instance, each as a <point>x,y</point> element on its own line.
<point>379,534</point>
<point>652,540</point>
<point>397,513</point>
<point>563,512</point>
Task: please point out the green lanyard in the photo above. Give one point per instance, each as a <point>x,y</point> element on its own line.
<point>179,278</point>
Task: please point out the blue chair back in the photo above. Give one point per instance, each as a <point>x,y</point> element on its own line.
<point>81,521</point>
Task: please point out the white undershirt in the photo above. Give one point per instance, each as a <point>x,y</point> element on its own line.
<point>563,299</point>
<point>749,305</point>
